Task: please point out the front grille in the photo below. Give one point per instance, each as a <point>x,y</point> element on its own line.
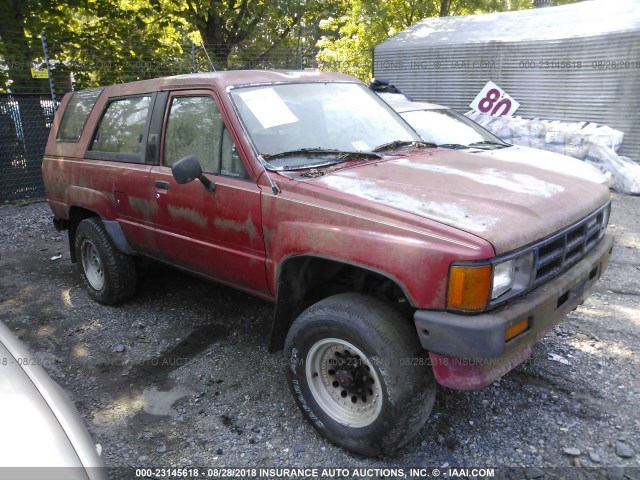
<point>564,249</point>
<point>548,258</point>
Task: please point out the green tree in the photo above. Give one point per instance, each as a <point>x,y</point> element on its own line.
<point>98,41</point>
<point>20,44</point>
<point>350,37</point>
<point>241,32</point>
<point>360,25</point>
<point>110,42</point>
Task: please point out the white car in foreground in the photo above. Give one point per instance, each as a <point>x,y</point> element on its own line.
<point>449,129</point>
<point>43,434</point>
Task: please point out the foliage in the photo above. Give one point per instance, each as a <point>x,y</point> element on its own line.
<point>349,37</point>
<point>239,32</point>
<point>99,41</point>
<point>96,42</point>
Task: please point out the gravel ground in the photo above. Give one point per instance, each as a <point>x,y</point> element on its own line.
<point>181,375</point>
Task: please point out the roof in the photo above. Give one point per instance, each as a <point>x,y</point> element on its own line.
<point>230,78</point>
<point>583,19</point>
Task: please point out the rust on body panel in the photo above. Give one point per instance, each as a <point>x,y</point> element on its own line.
<point>237,226</point>
<point>141,206</point>
<point>187,214</point>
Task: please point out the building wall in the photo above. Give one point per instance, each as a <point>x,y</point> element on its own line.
<point>594,79</point>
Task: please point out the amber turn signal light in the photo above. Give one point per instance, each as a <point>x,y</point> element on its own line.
<point>516,329</point>
<point>469,287</point>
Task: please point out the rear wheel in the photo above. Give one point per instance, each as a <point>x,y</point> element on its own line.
<point>359,374</point>
<point>108,274</point>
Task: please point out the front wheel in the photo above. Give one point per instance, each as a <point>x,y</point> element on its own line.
<point>359,374</point>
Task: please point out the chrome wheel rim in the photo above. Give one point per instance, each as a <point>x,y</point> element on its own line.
<point>92,265</point>
<point>344,382</point>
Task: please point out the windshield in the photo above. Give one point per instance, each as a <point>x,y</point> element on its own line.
<point>313,123</point>
<point>446,127</point>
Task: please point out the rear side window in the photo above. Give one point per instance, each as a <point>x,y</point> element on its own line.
<point>121,130</point>
<point>76,114</point>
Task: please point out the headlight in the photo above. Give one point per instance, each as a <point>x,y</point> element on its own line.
<point>503,278</point>
<point>474,287</point>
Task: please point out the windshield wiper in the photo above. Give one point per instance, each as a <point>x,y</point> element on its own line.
<point>340,154</point>
<point>484,145</point>
<point>403,143</point>
<point>454,146</point>
<point>488,143</point>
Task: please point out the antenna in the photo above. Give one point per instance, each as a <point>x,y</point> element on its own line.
<point>274,188</point>
<point>207,54</point>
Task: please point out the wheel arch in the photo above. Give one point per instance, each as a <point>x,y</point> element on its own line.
<point>76,215</point>
<point>306,279</point>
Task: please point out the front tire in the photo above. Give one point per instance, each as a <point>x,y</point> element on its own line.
<point>359,374</point>
<point>108,274</point>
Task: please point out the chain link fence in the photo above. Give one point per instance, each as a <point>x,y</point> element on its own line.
<point>37,66</point>
<point>25,121</point>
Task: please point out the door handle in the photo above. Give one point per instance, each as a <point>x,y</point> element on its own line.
<point>162,185</point>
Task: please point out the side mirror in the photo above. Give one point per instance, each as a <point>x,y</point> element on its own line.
<point>187,169</point>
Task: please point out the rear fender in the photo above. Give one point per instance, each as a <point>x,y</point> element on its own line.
<point>90,199</point>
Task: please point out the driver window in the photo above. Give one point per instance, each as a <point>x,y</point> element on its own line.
<point>195,128</point>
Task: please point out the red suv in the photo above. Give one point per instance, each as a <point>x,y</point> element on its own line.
<point>393,264</point>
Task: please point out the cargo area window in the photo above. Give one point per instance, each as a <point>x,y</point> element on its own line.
<point>121,132</point>
<point>76,114</point>
<point>195,127</point>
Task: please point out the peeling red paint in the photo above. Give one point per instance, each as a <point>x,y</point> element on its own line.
<point>187,214</point>
<point>236,226</point>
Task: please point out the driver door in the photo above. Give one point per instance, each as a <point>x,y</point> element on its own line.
<point>219,233</point>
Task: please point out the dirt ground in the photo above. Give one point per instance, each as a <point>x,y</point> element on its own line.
<point>181,375</point>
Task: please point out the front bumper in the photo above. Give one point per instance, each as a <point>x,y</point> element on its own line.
<point>469,351</point>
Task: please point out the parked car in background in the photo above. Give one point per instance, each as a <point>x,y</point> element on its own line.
<point>43,436</point>
<point>449,129</point>
<point>393,264</point>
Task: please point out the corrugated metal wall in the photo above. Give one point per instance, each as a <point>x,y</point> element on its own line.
<point>589,91</point>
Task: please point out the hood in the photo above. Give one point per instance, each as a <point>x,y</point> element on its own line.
<point>551,161</point>
<point>508,204</point>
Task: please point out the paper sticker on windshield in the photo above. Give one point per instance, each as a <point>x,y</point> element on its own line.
<point>360,146</point>
<point>268,107</point>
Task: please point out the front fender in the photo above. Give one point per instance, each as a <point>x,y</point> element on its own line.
<point>417,265</point>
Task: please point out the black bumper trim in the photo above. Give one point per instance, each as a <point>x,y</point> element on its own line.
<point>483,335</point>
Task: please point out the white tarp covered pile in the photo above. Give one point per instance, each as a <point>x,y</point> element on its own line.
<point>593,143</point>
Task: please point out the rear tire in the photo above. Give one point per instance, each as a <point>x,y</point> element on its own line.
<point>108,274</point>
<point>359,373</point>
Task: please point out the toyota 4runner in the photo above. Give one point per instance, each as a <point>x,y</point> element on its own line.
<point>394,265</point>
